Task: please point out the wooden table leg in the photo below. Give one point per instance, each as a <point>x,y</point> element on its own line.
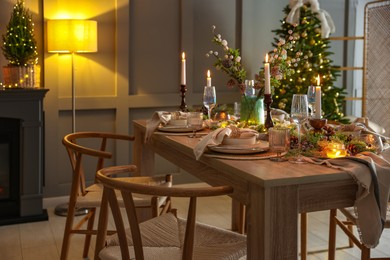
<point>272,228</point>
<point>143,156</point>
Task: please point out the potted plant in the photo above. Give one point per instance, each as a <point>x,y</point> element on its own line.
<point>19,48</point>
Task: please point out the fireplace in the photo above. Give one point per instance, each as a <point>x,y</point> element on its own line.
<point>9,167</point>
<point>21,156</point>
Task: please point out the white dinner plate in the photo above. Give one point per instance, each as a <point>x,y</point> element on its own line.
<point>176,129</point>
<point>260,146</point>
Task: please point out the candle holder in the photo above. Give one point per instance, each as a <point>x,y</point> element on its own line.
<point>183,106</point>
<point>268,101</point>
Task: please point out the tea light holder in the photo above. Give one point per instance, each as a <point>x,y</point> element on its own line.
<point>336,151</point>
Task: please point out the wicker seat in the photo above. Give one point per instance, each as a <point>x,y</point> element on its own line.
<point>166,236</point>
<point>376,107</point>
<point>83,196</point>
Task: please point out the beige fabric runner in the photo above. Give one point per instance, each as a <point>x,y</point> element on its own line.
<point>372,174</point>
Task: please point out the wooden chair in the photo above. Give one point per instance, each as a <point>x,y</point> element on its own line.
<point>376,61</point>
<point>346,224</point>
<point>164,237</point>
<point>376,106</point>
<point>89,197</point>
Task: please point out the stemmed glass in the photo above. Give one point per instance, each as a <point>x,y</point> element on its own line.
<point>311,98</point>
<point>195,122</point>
<point>299,112</point>
<point>209,99</point>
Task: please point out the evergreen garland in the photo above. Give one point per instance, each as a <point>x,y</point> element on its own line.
<point>19,44</point>
<point>309,57</point>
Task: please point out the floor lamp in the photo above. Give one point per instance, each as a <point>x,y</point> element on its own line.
<point>71,36</point>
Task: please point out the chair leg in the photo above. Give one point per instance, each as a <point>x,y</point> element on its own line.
<point>87,241</point>
<point>351,244</point>
<point>242,221</point>
<point>67,232</point>
<point>366,252</point>
<point>332,234</point>
<point>303,236</point>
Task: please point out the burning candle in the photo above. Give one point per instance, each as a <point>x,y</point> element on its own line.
<point>267,86</point>
<point>183,69</point>
<point>208,79</point>
<point>318,111</point>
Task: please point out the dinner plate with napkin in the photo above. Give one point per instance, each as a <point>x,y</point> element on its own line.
<point>218,136</point>
<point>161,117</point>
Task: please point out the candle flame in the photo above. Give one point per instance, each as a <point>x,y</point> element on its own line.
<point>318,80</point>
<point>266,58</point>
<point>208,73</point>
<point>183,55</point>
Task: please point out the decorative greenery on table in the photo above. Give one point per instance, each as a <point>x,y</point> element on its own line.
<point>314,143</point>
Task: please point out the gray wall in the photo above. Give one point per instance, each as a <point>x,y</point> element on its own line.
<point>137,68</point>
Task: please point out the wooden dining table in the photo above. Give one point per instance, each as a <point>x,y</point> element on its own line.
<point>274,192</point>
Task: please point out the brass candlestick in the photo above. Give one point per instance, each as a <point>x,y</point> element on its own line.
<point>268,101</point>
<point>183,106</point>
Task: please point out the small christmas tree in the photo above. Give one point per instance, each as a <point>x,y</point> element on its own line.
<point>308,57</point>
<point>19,44</point>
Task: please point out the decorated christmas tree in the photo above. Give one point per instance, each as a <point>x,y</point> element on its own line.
<point>19,46</point>
<point>308,57</point>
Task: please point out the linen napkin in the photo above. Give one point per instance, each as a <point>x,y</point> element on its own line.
<point>372,175</point>
<point>216,138</point>
<point>157,118</point>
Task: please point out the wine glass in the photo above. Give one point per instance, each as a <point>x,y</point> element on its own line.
<point>311,98</point>
<point>299,112</point>
<point>195,122</point>
<point>209,99</point>
<point>279,142</point>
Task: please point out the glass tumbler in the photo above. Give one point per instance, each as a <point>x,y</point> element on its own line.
<point>279,142</point>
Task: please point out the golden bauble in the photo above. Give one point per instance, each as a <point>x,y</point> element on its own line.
<point>312,42</point>
<point>282,91</point>
<point>299,79</point>
<point>304,34</point>
<point>313,81</point>
<point>282,105</point>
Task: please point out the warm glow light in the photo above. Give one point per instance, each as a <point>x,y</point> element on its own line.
<point>318,80</point>
<point>266,58</point>
<point>67,36</point>
<point>183,56</point>
<point>208,73</point>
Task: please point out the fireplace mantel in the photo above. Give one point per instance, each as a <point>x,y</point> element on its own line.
<point>27,105</point>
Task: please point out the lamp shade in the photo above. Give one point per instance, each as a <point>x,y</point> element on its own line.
<point>66,36</point>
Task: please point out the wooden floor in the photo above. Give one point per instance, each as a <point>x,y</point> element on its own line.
<point>42,240</point>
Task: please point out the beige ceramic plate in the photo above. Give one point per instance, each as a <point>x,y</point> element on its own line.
<point>260,146</point>
<point>176,129</point>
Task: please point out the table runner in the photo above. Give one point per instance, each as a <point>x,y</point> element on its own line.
<point>373,191</point>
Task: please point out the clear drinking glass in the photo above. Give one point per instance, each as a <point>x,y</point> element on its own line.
<point>299,112</point>
<point>279,142</point>
<point>195,122</point>
<point>311,98</point>
<point>209,99</point>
